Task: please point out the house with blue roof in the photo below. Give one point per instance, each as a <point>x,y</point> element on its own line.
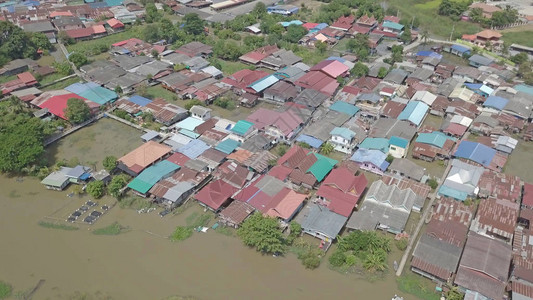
<point>398,147</point>
<point>263,83</point>
<point>414,112</point>
<point>459,50</point>
<point>285,10</point>
<point>310,140</point>
<point>93,92</point>
<point>139,100</point>
<point>496,103</point>
<point>429,54</point>
<point>152,175</point>
<point>475,152</point>
<point>345,107</point>
<point>189,123</point>
<point>193,149</point>
<point>343,139</point>
<point>381,144</point>
<point>480,89</point>
<point>373,161</point>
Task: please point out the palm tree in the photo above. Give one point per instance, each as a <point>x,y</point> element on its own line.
<point>424,36</point>
<point>326,148</point>
<point>375,262</point>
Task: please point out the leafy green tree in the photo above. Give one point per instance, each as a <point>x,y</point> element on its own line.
<point>359,70</point>
<point>151,33</point>
<point>117,183</point>
<point>294,33</point>
<point>77,59</point>
<point>77,111</point>
<point>262,233</point>
<point>152,14</point>
<point>96,188</point>
<point>193,103</point>
<point>259,10</point>
<point>454,294</point>
<point>40,41</point>
<point>337,259</point>
<point>63,68</point>
<point>433,183</point>
<point>118,90</point>
<point>64,38</point>
<point>376,261</point>
<point>193,24</point>
<point>326,148</point>
<point>228,50</point>
<point>311,258</point>
<point>476,15</point>
<point>424,36</point>
<point>389,158</point>
<point>382,72</point>
<point>520,58</point>
<point>406,35</point>
<point>110,163</point>
<point>321,47</point>
<point>167,30</point>
<point>359,45</point>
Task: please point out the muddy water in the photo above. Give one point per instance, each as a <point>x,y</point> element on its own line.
<point>142,263</point>
<point>138,265</point>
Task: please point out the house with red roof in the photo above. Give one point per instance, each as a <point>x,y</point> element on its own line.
<point>332,68</point>
<point>282,126</point>
<point>343,23</point>
<point>24,80</point>
<point>270,196</point>
<point>318,81</point>
<point>527,196</point>
<point>341,191</point>
<point>254,57</point>
<point>92,32</point>
<point>309,26</point>
<point>115,24</point>
<point>57,104</point>
<point>215,195</point>
<point>241,80</point>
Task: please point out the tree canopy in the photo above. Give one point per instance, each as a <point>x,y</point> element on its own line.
<point>77,111</point>
<point>262,233</point>
<point>15,43</point>
<point>96,189</point>
<point>78,59</point>
<point>21,136</point>
<point>359,46</point>
<point>152,14</point>
<point>359,69</point>
<point>193,24</point>
<point>110,163</point>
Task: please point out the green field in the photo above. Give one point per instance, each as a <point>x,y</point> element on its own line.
<point>426,13</point>
<point>230,67</point>
<point>520,37</point>
<point>83,47</point>
<point>61,85</point>
<point>158,91</point>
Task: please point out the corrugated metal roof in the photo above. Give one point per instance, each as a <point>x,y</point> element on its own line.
<point>264,83</point>
<point>152,175</point>
<point>227,146</point>
<point>476,152</point>
<point>396,141</point>
<point>322,166</point>
<point>415,111</point>
<point>375,157</point>
<point>344,107</point>
<point>381,144</point>
<point>495,102</point>
<point>189,123</point>
<point>241,127</point>
<point>194,149</point>
<point>311,141</point>
<point>139,100</point>
<point>343,132</point>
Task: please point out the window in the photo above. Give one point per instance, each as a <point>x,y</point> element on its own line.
<point>393,148</point>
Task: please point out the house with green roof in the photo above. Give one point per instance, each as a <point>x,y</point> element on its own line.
<point>343,139</point>
<point>398,146</point>
<point>242,130</point>
<point>152,175</point>
<point>322,166</point>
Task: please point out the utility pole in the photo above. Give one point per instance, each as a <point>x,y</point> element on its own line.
<point>412,22</point>
<point>451,34</point>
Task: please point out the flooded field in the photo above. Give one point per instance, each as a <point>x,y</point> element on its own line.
<point>520,162</point>
<point>93,143</point>
<point>143,264</point>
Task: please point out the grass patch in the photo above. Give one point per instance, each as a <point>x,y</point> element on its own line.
<point>181,233</point>
<point>87,46</point>
<point>58,226</point>
<point>113,229</point>
<point>5,290</point>
<point>519,37</point>
<point>47,60</point>
<point>230,67</point>
<point>61,85</point>
<point>159,92</point>
<point>4,79</point>
<point>134,202</point>
<point>413,285</point>
<point>426,14</point>
<point>50,78</point>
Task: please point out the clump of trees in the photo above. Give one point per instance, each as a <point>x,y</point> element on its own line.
<point>117,183</point>
<point>15,43</point>
<point>506,16</point>
<point>78,59</point>
<point>453,8</point>
<point>359,46</point>
<point>263,234</point>
<point>77,111</point>
<point>110,163</point>
<point>367,248</point>
<point>21,136</point>
<point>96,189</point>
<point>525,68</point>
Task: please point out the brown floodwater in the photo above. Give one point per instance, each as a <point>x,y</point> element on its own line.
<point>142,263</point>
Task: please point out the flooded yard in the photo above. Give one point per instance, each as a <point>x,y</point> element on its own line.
<point>143,264</point>
<point>520,162</point>
<point>93,143</point>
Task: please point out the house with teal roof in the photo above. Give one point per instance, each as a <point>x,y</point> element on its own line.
<point>435,138</point>
<point>152,175</point>
<point>390,26</point>
<point>415,112</point>
<point>381,144</point>
<point>344,107</point>
<point>242,130</point>
<point>227,146</point>
<point>343,139</point>
<point>322,166</point>
<point>398,146</point>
